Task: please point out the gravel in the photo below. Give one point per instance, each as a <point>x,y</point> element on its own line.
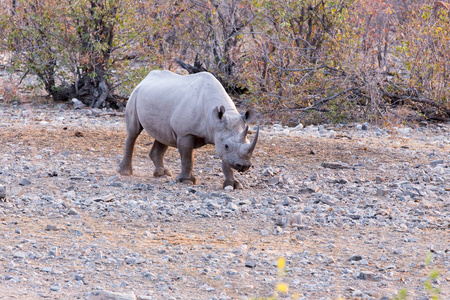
<point>355,219</point>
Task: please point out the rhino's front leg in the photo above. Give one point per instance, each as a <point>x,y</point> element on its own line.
<point>185,146</point>
<point>230,180</point>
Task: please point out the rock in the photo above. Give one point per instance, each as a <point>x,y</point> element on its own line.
<point>106,295</point>
<point>265,232</point>
<point>367,276</point>
<point>77,104</point>
<point>281,221</point>
<point>79,277</point>
<point>325,199</point>
<point>250,264</point>
<point>24,182</point>
<point>299,127</point>
<point>228,188</point>
<point>275,180</point>
<point>333,165</point>
<point>55,288</point>
<point>53,252</point>
<point>436,162</point>
<point>51,227</point>
<point>18,231</point>
<point>378,180</point>
<point>365,126</point>
<point>19,255</point>
<point>72,212</point>
<point>355,258</point>
<point>314,177</point>
<point>363,262</point>
<point>340,181</point>
<point>295,220</point>
<point>404,130</point>
<point>398,251</point>
<point>2,193</point>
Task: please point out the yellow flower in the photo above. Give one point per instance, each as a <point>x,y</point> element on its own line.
<point>281,263</point>
<point>282,287</point>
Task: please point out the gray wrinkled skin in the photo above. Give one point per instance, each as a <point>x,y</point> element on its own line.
<point>187,112</point>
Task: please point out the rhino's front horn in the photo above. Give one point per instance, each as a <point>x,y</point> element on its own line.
<point>247,149</point>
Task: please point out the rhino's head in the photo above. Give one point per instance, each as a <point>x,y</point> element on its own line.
<point>231,142</point>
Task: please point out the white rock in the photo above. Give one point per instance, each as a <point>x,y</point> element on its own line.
<point>77,104</point>
<point>106,295</point>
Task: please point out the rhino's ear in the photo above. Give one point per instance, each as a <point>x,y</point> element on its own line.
<point>249,116</point>
<point>218,113</point>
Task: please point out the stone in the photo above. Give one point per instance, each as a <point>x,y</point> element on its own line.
<point>2,193</point>
<point>365,126</point>
<point>299,127</point>
<point>106,295</point>
<point>77,104</point>
<point>355,258</point>
<point>340,181</point>
<point>54,251</point>
<point>113,178</point>
<point>19,255</point>
<point>24,182</point>
<point>250,264</point>
<point>295,220</point>
<point>79,277</point>
<point>72,212</point>
<point>368,276</point>
<point>51,227</point>
<point>228,188</point>
<point>436,162</point>
<point>281,221</point>
<point>334,165</point>
<point>363,262</point>
<point>55,288</point>
<point>275,180</point>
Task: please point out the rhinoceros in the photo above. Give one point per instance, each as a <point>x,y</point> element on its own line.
<point>188,112</point>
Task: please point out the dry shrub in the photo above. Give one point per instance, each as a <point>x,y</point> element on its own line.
<point>9,91</point>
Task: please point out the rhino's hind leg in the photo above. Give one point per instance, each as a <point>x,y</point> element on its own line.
<point>230,180</point>
<point>125,166</point>
<point>157,156</point>
<point>185,146</point>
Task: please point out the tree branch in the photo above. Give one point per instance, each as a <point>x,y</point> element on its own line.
<point>323,101</point>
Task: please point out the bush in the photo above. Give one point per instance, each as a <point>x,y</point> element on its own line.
<point>301,61</point>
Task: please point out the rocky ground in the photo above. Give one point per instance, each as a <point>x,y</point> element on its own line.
<point>358,212</point>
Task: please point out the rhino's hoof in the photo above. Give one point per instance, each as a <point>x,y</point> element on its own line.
<point>125,171</point>
<point>233,183</point>
<point>161,172</point>
<point>191,180</point>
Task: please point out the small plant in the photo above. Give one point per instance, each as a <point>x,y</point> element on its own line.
<point>281,287</point>
<point>432,277</point>
<point>401,295</point>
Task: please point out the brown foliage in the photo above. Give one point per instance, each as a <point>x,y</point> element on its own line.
<point>308,60</point>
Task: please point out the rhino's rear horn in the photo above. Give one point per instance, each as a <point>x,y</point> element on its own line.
<point>248,148</point>
<point>243,134</point>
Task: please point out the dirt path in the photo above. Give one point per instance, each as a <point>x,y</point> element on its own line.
<point>361,229</point>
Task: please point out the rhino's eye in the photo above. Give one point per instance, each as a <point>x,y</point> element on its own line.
<point>226,147</point>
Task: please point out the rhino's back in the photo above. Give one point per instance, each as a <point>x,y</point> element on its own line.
<point>169,105</point>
